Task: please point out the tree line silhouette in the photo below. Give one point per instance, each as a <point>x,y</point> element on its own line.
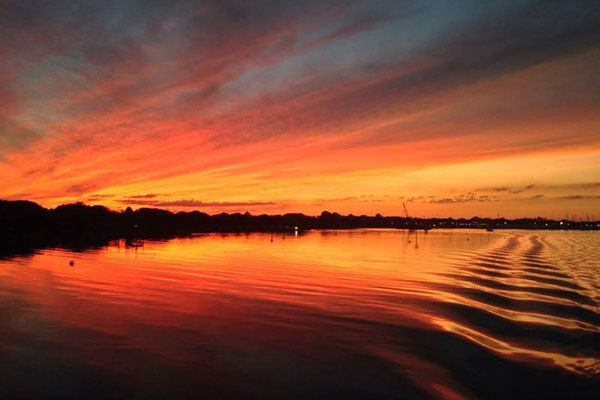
<point>25,219</point>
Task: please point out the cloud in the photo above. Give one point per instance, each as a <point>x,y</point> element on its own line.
<point>550,187</point>
<point>97,197</point>
<point>181,59</point>
<point>578,197</point>
<point>521,190</point>
<point>194,203</point>
<point>80,188</point>
<point>41,170</point>
<point>493,189</point>
<point>15,136</point>
<point>144,196</point>
<point>462,198</point>
<point>590,185</point>
<point>268,87</point>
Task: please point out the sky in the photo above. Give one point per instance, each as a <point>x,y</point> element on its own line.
<point>455,108</point>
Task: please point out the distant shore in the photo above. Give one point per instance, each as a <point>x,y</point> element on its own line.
<point>27,227</point>
<point>25,218</point>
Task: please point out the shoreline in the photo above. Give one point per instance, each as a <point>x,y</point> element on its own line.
<point>25,220</point>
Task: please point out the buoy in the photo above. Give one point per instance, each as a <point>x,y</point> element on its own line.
<point>71,263</point>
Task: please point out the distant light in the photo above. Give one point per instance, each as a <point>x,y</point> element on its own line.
<point>561,222</point>
<point>295,228</point>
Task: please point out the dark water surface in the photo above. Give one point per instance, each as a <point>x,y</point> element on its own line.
<point>360,314</point>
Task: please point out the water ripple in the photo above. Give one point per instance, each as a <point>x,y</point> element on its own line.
<point>368,314</point>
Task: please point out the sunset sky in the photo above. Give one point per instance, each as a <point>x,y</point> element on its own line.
<point>457,108</point>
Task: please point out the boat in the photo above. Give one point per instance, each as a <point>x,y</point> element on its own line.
<point>134,243</point>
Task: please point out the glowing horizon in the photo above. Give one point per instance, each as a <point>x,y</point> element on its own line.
<point>272,107</point>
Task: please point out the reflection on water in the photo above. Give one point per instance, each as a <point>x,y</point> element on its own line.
<point>362,314</point>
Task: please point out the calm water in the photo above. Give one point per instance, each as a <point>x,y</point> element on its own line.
<point>363,314</point>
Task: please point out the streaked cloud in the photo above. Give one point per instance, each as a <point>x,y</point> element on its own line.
<point>81,188</point>
<point>289,103</point>
<point>578,197</point>
<point>144,196</point>
<point>194,203</point>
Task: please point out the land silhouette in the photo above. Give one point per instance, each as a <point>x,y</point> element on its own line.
<point>26,220</point>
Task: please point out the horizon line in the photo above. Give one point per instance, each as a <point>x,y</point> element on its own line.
<point>377,215</point>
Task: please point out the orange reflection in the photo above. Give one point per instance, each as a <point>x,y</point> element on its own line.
<point>318,289</point>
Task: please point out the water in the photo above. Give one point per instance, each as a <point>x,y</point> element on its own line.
<point>359,314</point>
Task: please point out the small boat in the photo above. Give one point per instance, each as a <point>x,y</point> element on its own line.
<point>134,243</point>
<point>489,228</point>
